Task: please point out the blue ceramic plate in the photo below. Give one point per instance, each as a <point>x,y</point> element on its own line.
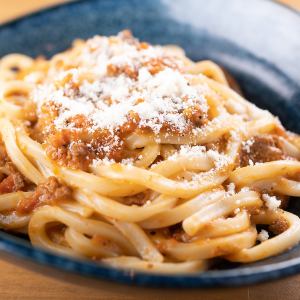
<point>257,41</point>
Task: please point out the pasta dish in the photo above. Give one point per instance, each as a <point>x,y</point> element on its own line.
<point>134,156</point>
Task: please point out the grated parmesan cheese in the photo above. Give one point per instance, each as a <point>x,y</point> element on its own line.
<point>190,151</point>
<point>230,189</point>
<point>263,235</point>
<point>106,101</point>
<point>219,160</point>
<point>271,202</point>
<point>237,210</point>
<point>246,145</point>
<point>251,163</point>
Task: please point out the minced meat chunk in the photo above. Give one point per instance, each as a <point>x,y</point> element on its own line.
<point>14,181</point>
<point>260,149</point>
<point>45,193</point>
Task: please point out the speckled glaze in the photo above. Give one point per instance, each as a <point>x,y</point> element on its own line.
<point>257,41</point>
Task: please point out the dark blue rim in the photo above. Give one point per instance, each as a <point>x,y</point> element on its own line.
<point>53,7</point>
<point>14,246</point>
<point>233,277</point>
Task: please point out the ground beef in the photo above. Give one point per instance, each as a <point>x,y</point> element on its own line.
<point>114,70</point>
<point>46,193</point>
<point>12,183</point>
<point>3,155</point>
<point>139,199</point>
<point>279,226</point>
<point>260,149</point>
<point>195,115</point>
<point>177,233</point>
<point>284,200</point>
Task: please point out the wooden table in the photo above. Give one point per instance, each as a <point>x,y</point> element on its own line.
<point>21,283</point>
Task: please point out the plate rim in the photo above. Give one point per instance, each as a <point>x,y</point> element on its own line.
<point>74,2</point>
<point>16,247</point>
<point>213,278</point>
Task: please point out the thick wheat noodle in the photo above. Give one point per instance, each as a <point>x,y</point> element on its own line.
<point>114,209</point>
<point>287,187</point>
<point>13,221</point>
<point>21,162</point>
<point>140,240</point>
<point>10,110</point>
<point>86,247</point>
<point>279,185</point>
<point>77,178</point>
<point>20,61</point>
<point>148,155</point>
<point>177,214</point>
<point>274,245</point>
<point>211,133</point>
<point>182,163</point>
<point>222,207</point>
<point>76,207</point>
<point>164,185</point>
<point>208,248</point>
<point>289,149</point>
<point>248,175</point>
<point>10,200</point>
<point>155,267</point>
<point>160,183</point>
<point>226,226</point>
<point>47,214</point>
<point>209,69</point>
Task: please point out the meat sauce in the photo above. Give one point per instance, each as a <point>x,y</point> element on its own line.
<point>48,192</point>
<point>262,148</point>
<point>12,180</point>
<point>78,147</point>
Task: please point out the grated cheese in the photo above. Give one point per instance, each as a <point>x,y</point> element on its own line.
<point>263,235</point>
<point>190,151</point>
<point>219,160</point>
<point>251,163</point>
<point>271,202</point>
<point>237,210</point>
<point>107,100</point>
<point>230,189</point>
<point>246,145</point>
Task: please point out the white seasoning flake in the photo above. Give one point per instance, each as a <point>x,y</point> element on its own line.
<point>105,161</point>
<point>263,235</point>
<point>251,163</point>
<point>148,202</point>
<point>246,145</point>
<point>190,151</point>
<point>128,161</point>
<point>234,135</point>
<point>107,99</point>
<point>231,189</point>
<point>237,210</point>
<point>271,202</point>
<point>219,160</point>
